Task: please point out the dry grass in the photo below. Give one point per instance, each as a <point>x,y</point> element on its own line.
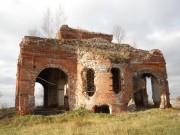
<point>82,122</point>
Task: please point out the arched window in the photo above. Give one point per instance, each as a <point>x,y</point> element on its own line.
<point>116,80</point>
<point>90,82</point>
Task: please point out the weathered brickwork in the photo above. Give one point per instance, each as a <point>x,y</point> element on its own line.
<point>61,66</point>
<point>70,33</point>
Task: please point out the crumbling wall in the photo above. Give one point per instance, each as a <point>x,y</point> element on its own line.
<point>153,63</point>
<point>104,94</point>
<point>131,62</point>
<point>70,33</point>
<point>37,54</point>
<point>74,56</point>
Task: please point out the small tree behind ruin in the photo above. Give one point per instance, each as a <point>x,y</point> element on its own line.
<point>47,26</point>
<point>33,32</point>
<point>51,23</point>
<point>118,33</point>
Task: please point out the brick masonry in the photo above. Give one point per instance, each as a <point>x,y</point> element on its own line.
<point>74,53</point>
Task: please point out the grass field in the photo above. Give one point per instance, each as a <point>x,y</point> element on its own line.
<point>83,122</point>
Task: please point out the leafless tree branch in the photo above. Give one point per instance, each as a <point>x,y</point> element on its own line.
<point>134,44</point>
<point>59,18</point>
<point>118,33</point>
<point>47,24</point>
<point>33,32</point>
<point>51,23</point>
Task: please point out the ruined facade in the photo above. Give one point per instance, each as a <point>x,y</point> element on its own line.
<point>85,69</point>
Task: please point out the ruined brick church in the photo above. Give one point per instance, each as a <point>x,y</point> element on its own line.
<point>82,69</point>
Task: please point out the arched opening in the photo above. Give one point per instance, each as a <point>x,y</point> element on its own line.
<point>39,95</point>
<point>101,109</point>
<point>149,90</point>
<point>146,92</point>
<point>116,80</point>
<point>55,84</point>
<point>90,82</point>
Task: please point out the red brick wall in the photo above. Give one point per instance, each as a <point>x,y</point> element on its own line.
<point>70,33</point>
<point>32,60</point>
<point>37,54</point>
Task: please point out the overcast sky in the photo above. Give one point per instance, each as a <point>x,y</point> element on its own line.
<point>151,24</point>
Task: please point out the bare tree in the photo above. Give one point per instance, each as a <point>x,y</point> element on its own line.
<point>51,23</point>
<point>134,44</point>
<point>33,32</point>
<point>59,18</point>
<point>118,33</point>
<point>47,26</point>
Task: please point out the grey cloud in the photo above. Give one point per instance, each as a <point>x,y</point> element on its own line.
<point>7,81</point>
<point>8,97</point>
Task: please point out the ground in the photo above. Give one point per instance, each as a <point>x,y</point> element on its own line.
<point>83,122</point>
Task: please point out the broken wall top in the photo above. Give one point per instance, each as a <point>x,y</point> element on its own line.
<point>66,32</point>
<point>118,53</point>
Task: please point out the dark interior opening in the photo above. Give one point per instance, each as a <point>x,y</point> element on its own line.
<point>116,80</point>
<point>139,101</point>
<point>142,94</point>
<point>55,83</point>
<point>101,109</point>
<point>90,82</point>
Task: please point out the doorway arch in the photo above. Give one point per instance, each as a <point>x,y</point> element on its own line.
<point>140,92</point>
<point>55,83</point>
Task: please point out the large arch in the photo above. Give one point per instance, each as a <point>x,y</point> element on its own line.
<point>140,88</point>
<point>61,101</point>
<point>55,85</point>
